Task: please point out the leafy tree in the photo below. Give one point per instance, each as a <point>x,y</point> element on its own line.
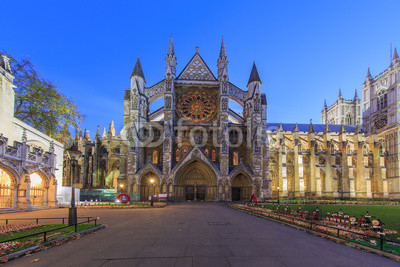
<point>39,102</point>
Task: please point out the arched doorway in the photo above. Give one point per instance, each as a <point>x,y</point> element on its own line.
<point>6,190</point>
<point>241,188</point>
<point>149,186</point>
<point>37,189</point>
<point>195,182</point>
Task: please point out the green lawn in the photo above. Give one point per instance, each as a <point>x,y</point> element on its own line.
<point>390,215</point>
<point>38,239</point>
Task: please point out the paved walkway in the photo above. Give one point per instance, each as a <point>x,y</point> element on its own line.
<point>199,234</point>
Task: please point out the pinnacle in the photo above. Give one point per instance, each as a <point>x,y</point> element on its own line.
<point>254,77</point>
<point>342,129</point>
<point>395,55</point>
<point>355,94</point>
<point>369,75</point>
<point>137,70</point>
<point>296,128</point>
<point>311,127</point>
<point>98,131</point>
<point>171,50</point>
<point>327,130</point>
<point>222,52</point>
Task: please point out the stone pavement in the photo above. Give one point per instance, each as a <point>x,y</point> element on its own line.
<point>193,234</point>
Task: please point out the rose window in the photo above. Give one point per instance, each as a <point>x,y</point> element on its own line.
<point>196,106</point>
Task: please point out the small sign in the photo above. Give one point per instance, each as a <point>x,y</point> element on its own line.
<point>124,198</point>
<point>162,195</point>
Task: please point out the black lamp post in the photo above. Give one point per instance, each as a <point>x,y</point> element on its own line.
<point>152,192</point>
<point>73,155</point>
<point>278,195</point>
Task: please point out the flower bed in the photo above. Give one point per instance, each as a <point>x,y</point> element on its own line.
<point>362,230</point>
<point>37,239</point>
<point>12,228</point>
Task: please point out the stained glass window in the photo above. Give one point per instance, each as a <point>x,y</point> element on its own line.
<point>214,155</point>
<point>155,157</point>
<point>235,158</point>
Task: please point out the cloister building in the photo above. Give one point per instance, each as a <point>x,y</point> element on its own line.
<point>30,161</point>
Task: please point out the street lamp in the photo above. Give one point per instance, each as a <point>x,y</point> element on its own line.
<point>278,195</point>
<point>151,199</point>
<point>73,155</point>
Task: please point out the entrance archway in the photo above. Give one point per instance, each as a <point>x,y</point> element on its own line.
<point>6,189</point>
<point>195,182</point>
<point>149,186</point>
<point>37,189</point>
<point>241,188</point>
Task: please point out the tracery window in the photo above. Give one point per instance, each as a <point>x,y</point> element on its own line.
<point>380,150</point>
<point>381,100</point>
<point>365,150</point>
<point>207,152</point>
<point>348,119</point>
<point>185,150</point>
<point>213,155</point>
<point>235,158</point>
<point>178,154</point>
<point>155,157</point>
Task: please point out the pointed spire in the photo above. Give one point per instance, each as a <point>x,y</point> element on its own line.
<point>86,136</point>
<point>357,130</point>
<point>296,128</point>
<point>77,136</point>
<point>98,132</point>
<point>369,76</point>
<point>171,50</point>
<point>356,95</point>
<point>340,93</point>
<point>104,133</point>
<point>137,70</point>
<point>222,53</point>
<point>111,130</point>
<point>327,130</point>
<point>311,127</point>
<point>395,55</point>
<point>325,105</point>
<point>254,77</point>
<point>342,129</point>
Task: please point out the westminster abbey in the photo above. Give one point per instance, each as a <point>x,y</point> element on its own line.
<point>194,147</point>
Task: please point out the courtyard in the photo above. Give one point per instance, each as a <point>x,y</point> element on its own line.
<point>192,234</point>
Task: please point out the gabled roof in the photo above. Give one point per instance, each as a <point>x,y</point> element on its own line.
<point>197,70</point>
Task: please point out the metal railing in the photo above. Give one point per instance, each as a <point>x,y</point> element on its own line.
<point>37,220</point>
<point>44,233</point>
<point>310,224</point>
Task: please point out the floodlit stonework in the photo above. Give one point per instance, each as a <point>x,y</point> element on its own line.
<point>195,147</point>
<point>30,161</point>
<point>381,96</point>
<point>343,111</point>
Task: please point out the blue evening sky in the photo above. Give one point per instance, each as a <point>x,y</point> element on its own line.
<point>304,50</point>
